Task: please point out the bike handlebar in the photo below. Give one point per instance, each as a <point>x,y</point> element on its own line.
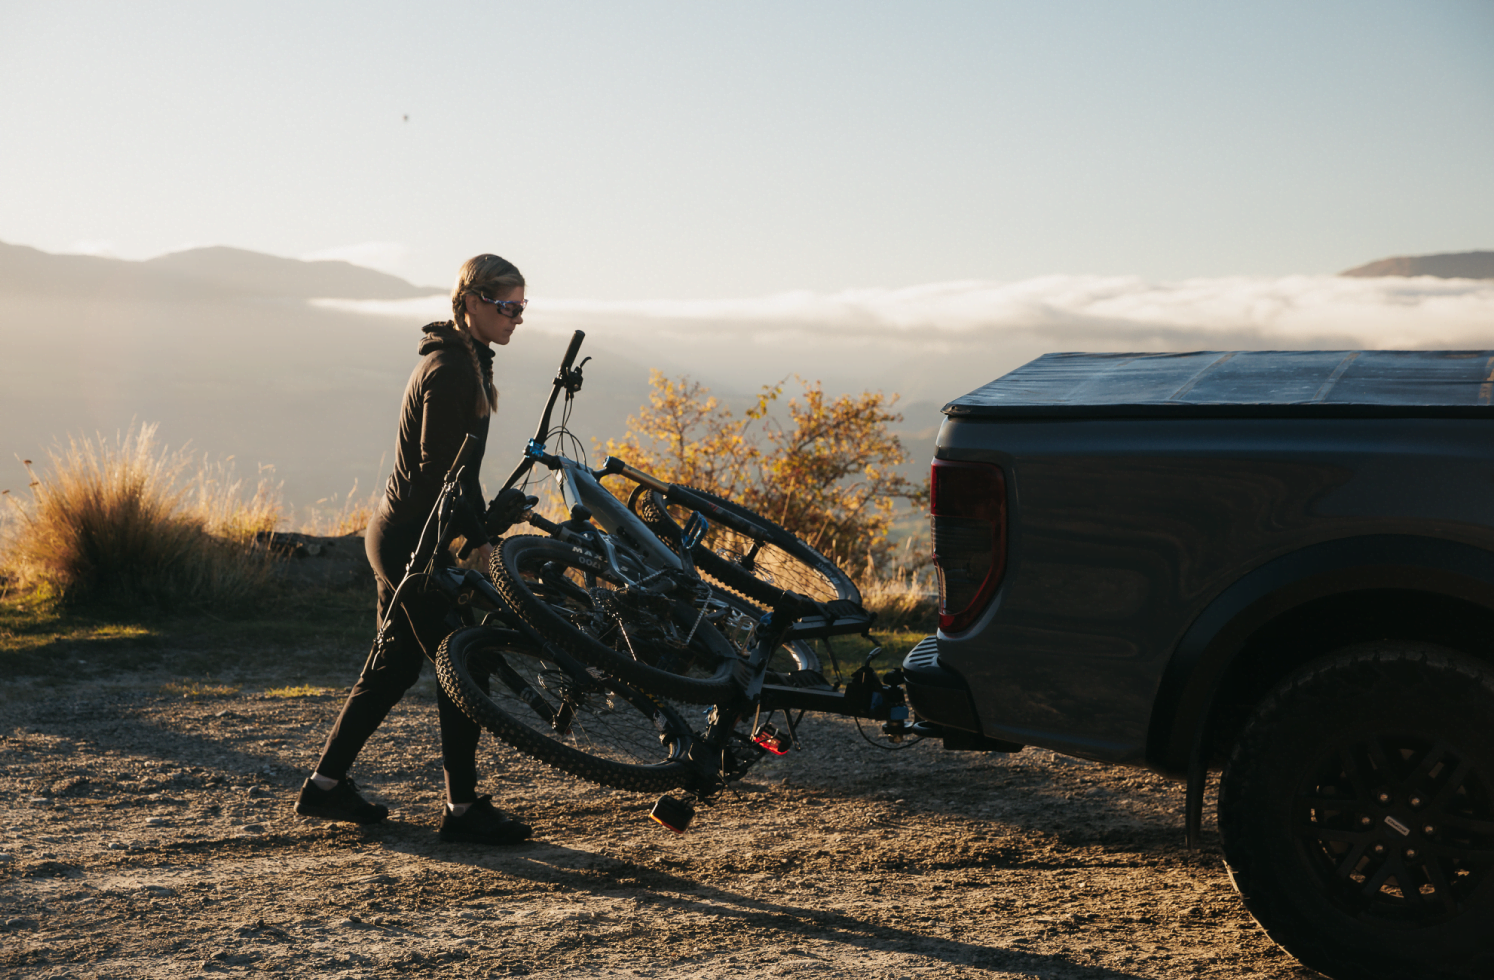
<point>563,379</point>
<point>572,350</point>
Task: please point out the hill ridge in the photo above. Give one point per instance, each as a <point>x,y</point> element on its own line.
<point>215,270</point>
<point>1443,265</point>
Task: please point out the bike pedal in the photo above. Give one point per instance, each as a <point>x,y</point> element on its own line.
<point>672,813</point>
<point>768,737</point>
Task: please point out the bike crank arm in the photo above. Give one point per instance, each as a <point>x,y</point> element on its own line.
<point>721,755</point>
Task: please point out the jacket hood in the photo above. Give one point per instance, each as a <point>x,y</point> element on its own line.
<point>442,335</point>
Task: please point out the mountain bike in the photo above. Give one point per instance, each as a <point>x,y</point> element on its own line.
<point>627,592</point>
<point>642,598</point>
<point>521,688</point>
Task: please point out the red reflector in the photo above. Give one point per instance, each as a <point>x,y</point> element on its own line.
<point>967,490</point>
<point>967,502</point>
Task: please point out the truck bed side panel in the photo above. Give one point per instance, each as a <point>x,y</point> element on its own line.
<point>1123,531</point>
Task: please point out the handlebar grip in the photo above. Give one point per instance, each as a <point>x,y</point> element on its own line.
<point>573,350</point>
<point>469,446</point>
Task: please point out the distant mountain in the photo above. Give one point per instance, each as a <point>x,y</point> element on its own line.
<point>222,347</point>
<point>1448,265</point>
<point>241,271</point>
<point>199,273</point>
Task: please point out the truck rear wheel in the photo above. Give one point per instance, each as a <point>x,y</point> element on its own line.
<point>1357,814</point>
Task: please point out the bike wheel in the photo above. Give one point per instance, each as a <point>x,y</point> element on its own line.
<point>551,707</point>
<point>756,565</point>
<point>571,597</point>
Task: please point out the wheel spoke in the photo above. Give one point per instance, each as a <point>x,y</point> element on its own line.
<point>1472,825</point>
<point>1429,761</point>
<point>1351,861</point>
<point>1377,881</point>
<point>1454,782</point>
<point>1409,879</point>
<point>1441,892</point>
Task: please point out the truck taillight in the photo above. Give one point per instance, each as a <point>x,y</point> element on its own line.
<point>967,504</point>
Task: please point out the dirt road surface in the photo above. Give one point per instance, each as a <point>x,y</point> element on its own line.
<point>150,835</point>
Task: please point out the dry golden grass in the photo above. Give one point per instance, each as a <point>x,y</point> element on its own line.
<point>198,689</point>
<point>335,516</point>
<point>128,521</point>
<point>300,691</point>
<point>902,591</point>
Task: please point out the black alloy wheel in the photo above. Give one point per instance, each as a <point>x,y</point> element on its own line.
<point>1399,827</point>
<point>1357,814</point>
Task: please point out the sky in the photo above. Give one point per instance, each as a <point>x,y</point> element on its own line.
<point>630,152</point>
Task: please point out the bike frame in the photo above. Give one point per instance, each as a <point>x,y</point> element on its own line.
<point>470,591</point>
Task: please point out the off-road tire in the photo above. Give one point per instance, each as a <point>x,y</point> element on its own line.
<point>1387,745</point>
<point>785,562</point>
<point>620,738</point>
<point>704,671</point>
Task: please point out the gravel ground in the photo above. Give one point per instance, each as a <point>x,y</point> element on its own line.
<point>147,834</point>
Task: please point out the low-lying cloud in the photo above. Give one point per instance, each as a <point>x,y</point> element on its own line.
<point>927,341</point>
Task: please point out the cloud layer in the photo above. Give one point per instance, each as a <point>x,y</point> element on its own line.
<point>927,340</point>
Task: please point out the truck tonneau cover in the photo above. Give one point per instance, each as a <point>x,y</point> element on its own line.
<point>1241,384</point>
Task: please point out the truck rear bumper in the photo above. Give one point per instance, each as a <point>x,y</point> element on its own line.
<point>936,693</point>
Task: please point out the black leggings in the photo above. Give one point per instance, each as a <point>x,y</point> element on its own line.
<point>424,621</point>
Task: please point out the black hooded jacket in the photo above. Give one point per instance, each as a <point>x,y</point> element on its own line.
<point>440,409</point>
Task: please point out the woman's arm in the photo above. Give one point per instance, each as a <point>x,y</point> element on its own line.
<point>446,416</point>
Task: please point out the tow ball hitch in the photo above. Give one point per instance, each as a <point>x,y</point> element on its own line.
<point>881,699</point>
<point>898,728</point>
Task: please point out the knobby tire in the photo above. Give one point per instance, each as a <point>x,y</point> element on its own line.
<point>609,740</point>
<point>700,673</point>
<point>784,561</point>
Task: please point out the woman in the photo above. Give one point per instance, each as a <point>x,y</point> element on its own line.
<point>449,395</point>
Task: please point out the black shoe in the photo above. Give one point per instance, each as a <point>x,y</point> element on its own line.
<point>341,802</point>
<point>483,823</point>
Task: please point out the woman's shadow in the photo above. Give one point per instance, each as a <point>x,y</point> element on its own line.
<point>665,893</point>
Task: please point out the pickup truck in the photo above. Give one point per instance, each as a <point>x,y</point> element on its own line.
<point>1276,565</point>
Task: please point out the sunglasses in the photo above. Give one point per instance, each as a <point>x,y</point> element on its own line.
<point>508,307</point>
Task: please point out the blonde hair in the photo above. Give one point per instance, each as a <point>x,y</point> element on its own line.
<point>481,275</point>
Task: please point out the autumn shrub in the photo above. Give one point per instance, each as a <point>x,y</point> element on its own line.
<point>131,523</point>
<point>828,472</point>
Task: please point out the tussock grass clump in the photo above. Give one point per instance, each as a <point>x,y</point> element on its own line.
<point>127,522</point>
<point>901,588</point>
<point>335,517</point>
<point>300,691</point>
<point>198,689</point>
<point>902,601</point>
